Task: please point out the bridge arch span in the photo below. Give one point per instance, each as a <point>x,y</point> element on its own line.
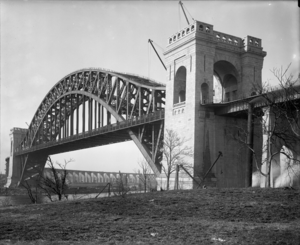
<point>87,101</point>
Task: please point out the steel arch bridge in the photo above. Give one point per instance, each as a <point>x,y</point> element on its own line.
<point>93,107</point>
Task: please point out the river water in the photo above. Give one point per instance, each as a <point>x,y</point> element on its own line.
<point>24,199</point>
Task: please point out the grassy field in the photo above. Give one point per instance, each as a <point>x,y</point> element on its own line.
<point>206,216</point>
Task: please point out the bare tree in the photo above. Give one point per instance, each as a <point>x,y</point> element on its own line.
<point>56,183</point>
<point>145,176</point>
<point>175,151</point>
<point>2,180</point>
<point>279,119</point>
<point>120,186</point>
<point>32,191</point>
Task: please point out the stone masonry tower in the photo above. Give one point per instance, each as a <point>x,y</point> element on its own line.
<point>209,67</point>
<point>14,164</point>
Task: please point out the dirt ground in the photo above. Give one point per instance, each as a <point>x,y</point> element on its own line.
<point>206,216</point>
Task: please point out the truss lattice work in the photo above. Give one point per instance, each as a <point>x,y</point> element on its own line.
<point>93,107</point>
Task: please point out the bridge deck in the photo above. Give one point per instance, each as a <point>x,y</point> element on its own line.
<point>113,133</point>
<point>241,105</point>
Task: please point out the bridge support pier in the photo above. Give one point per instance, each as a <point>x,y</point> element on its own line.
<point>14,170</point>
<point>280,156</point>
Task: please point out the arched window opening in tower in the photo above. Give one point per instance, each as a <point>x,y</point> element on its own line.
<point>204,93</point>
<point>230,87</point>
<point>180,86</point>
<point>225,80</point>
<point>181,96</point>
<point>217,88</point>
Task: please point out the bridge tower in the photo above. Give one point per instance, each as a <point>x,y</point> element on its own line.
<point>14,166</point>
<point>206,67</point>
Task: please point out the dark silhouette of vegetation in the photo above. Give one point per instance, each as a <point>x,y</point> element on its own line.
<point>32,191</point>
<point>2,180</point>
<point>120,186</point>
<point>145,176</point>
<point>53,183</point>
<point>279,118</point>
<point>175,151</point>
<point>56,182</point>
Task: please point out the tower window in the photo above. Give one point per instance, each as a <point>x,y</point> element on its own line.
<point>181,96</point>
<point>180,85</point>
<point>217,88</point>
<point>234,95</point>
<point>204,93</point>
<point>227,96</point>
<point>230,87</point>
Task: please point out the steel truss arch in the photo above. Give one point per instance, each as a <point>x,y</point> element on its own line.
<point>125,97</point>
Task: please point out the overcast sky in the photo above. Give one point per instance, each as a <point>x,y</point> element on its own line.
<point>43,41</point>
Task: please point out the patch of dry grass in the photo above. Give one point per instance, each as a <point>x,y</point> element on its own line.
<point>211,216</point>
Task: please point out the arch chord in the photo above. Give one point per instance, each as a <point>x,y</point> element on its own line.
<point>88,100</point>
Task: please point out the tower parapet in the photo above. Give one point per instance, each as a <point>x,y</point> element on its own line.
<point>222,40</point>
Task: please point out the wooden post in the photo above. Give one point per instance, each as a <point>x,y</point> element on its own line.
<point>109,189</point>
<point>176,177</point>
<point>248,179</point>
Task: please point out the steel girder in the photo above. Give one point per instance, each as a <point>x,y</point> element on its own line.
<point>86,100</point>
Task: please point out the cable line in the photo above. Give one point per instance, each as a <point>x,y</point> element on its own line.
<point>189,13</point>
<point>184,8</point>
<point>181,4</point>
<point>151,42</point>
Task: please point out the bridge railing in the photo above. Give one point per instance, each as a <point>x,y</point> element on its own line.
<point>274,95</point>
<point>158,115</point>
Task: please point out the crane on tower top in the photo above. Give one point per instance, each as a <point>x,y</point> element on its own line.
<point>187,20</point>
<point>151,42</point>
